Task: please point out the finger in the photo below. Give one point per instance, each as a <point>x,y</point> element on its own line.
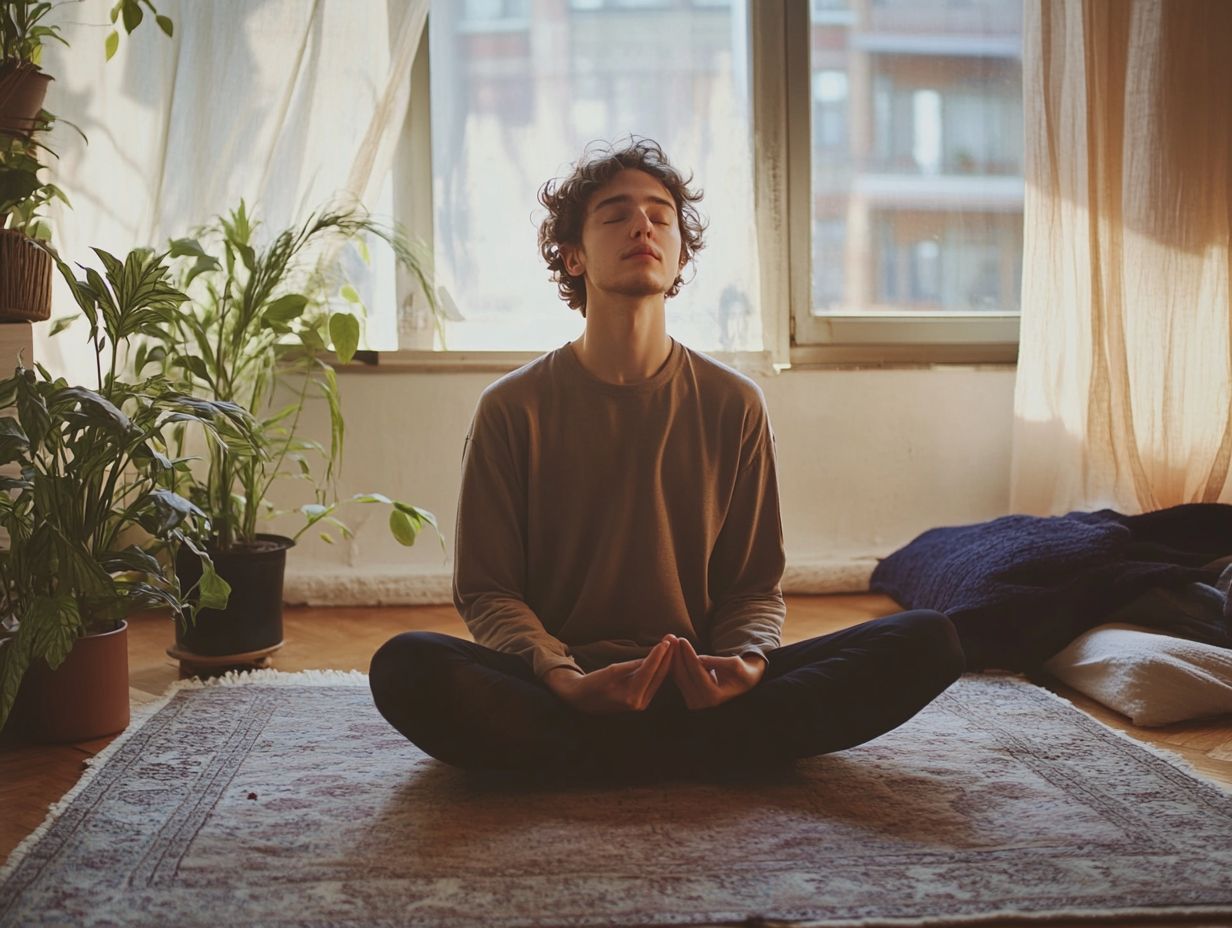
<point>648,673</point>
<point>712,665</point>
<point>665,667</point>
<point>680,674</point>
<point>696,671</point>
<point>696,694</point>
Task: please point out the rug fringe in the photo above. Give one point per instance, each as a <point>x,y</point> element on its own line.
<point>270,677</point>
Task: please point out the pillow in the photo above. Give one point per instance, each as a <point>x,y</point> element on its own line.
<point>1154,679</point>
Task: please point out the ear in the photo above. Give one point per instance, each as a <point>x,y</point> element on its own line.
<point>572,256</point>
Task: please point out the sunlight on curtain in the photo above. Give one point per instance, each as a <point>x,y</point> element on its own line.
<point>1124,390</point>
<point>286,103</point>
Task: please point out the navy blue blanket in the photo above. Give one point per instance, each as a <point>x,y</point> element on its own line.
<point>1020,588</point>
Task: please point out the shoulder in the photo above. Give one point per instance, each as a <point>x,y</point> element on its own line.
<point>522,385</point>
<point>512,396</point>
<point>723,385</point>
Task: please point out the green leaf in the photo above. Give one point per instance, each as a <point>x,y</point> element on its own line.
<point>195,364</point>
<point>283,311</point>
<point>344,332</point>
<point>55,625</point>
<point>186,247</point>
<point>33,415</point>
<point>14,658</point>
<point>112,44</point>
<point>164,23</point>
<point>98,409</point>
<point>402,527</point>
<point>132,558</point>
<point>144,454</point>
<point>315,511</point>
<point>63,323</point>
<point>202,265</point>
<point>132,15</point>
<point>372,498</point>
<point>419,515</point>
<point>213,590</point>
<point>171,509</point>
<point>247,254</point>
<point>349,294</point>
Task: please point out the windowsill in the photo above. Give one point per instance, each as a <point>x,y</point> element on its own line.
<point>803,358</point>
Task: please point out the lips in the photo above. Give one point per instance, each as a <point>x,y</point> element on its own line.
<point>642,250</point>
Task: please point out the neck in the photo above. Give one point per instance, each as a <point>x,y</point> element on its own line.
<point>625,341</point>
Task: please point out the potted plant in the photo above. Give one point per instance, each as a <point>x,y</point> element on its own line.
<point>25,268</point>
<point>23,33</point>
<point>85,470</point>
<point>256,331</point>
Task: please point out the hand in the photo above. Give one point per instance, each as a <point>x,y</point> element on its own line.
<point>706,680</point>
<point>629,685</point>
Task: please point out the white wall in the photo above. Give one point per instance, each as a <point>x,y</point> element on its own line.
<point>867,460</point>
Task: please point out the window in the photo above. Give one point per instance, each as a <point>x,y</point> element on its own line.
<point>511,109</point>
<point>915,172</point>
<point>901,171</point>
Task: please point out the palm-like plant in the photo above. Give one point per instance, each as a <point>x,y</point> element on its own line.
<point>256,332</point>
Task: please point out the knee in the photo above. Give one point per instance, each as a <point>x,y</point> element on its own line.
<point>933,641</point>
<point>402,662</point>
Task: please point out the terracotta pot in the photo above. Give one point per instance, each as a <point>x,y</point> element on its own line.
<point>22,91</point>
<point>25,279</point>
<point>84,698</point>
<point>251,625</point>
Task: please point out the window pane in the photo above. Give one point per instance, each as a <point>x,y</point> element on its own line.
<point>515,102</point>
<point>916,155</point>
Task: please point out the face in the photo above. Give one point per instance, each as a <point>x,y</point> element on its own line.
<point>630,238</point>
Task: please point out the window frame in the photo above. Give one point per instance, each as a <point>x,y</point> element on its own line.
<point>781,95</point>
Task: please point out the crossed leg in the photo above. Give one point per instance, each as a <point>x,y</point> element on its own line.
<point>473,707</point>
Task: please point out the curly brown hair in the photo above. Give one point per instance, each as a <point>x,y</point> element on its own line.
<point>566,201</point>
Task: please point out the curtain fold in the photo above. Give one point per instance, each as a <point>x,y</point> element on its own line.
<point>287,104</point>
<point>1124,390</point>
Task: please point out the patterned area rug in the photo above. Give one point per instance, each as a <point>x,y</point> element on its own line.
<point>284,799</point>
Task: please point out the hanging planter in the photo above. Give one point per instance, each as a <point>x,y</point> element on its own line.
<point>23,88</point>
<point>249,629</point>
<point>25,278</point>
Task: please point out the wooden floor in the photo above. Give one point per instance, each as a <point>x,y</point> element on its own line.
<point>32,777</point>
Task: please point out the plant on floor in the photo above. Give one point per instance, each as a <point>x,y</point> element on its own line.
<point>87,468</point>
<point>256,331</point>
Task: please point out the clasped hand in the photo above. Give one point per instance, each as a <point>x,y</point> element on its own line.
<point>703,680</point>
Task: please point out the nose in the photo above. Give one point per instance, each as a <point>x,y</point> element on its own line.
<point>641,224</point>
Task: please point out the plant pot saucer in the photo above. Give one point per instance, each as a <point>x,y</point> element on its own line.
<point>208,664</point>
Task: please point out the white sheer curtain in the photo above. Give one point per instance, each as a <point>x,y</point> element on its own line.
<point>1124,391</point>
<point>288,104</point>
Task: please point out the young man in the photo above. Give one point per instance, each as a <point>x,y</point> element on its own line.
<point>619,547</point>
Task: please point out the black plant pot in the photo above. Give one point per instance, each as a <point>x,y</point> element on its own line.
<point>250,628</point>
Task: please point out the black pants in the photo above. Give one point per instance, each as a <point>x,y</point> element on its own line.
<point>473,707</point>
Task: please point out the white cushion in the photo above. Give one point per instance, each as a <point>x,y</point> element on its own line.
<point>1153,678</point>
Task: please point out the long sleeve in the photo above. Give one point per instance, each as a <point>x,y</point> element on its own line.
<point>746,566</point>
<point>490,565</point>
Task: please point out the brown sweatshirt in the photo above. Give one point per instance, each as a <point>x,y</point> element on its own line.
<point>595,518</point>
